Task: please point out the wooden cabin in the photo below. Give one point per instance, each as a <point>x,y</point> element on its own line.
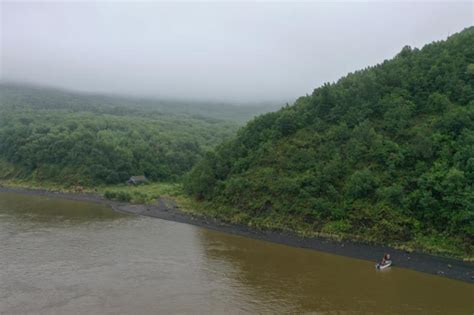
<point>137,180</point>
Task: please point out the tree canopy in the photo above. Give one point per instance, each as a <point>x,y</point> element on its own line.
<point>80,139</point>
<point>385,153</point>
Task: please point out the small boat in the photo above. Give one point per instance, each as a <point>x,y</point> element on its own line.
<point>381,266</point>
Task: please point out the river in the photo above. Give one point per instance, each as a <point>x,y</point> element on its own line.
<point>61,256</point>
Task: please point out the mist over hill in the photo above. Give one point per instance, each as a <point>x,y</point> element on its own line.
<point>235,51</point>
<point>22,95</point>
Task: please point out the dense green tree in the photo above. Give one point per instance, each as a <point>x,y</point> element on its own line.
<point>76,139</point>
<point>385,153</point>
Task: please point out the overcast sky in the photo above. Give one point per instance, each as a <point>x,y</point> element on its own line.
<point>239,52</point>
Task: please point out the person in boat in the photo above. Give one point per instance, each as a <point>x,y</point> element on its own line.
<point>385,258</point>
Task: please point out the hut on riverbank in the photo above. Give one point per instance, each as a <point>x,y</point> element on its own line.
<point>137,180</point>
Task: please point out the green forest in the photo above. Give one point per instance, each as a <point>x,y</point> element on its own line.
<point>385,154</point>
<point>87,140</point>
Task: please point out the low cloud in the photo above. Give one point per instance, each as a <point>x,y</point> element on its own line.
<point>238,52</point>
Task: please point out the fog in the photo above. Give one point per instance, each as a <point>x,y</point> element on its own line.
<point>237,52</point>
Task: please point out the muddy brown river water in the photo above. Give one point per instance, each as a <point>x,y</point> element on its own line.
<point>61,256</point>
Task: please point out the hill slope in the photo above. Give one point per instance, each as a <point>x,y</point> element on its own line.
<point>385,154</point>
<point>83,139</point>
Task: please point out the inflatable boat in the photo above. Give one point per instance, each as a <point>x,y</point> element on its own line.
<point>380,266</point>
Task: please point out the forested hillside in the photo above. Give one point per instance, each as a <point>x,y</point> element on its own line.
<point>384,154</point>
<point>80,139</point>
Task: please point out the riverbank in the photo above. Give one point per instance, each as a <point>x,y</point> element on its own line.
<point>167,209</point>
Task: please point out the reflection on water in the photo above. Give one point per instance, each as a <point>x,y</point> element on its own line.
<point>59,256</point>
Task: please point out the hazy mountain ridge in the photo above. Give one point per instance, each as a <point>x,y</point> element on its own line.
<point>21,95</point>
